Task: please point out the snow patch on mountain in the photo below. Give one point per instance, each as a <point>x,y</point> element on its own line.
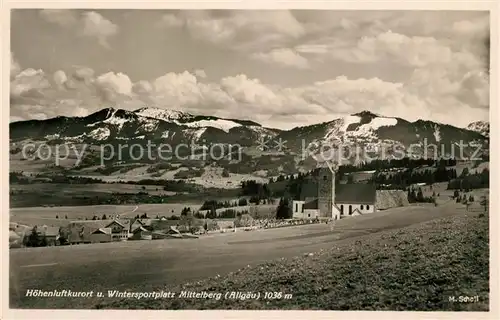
<point>149,125</point>
<point>482,127</point>
<point>196,134</point>
<point>100,133</point>
<point>221,124</point>
<point>437,133</point>
<point>381,122</point>
<point>163,114</point>
<point>52,136</point>
<point>347,121</point>
<point>119,122</point>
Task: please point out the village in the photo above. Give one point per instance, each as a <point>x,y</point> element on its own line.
<point>321,200</point>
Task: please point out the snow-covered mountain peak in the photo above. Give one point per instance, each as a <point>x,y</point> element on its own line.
<point>163,114</point>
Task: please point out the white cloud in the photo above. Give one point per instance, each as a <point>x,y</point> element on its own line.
<point>28,80</point>
<point>87,24</point>
<point>284,56</point>
<point>62,17</point>
<point>254,33</point>
<point>15,68</point>
<point>95,25</point>
<point>117,82</point>
<point>60,78</point>
<point>171,20</point>
<point>84,74</point>
<point>142,87</point>
<point>243,97</point>
<point>200,73</point>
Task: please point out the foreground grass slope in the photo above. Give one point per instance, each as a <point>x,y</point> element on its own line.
<point>414,268</point>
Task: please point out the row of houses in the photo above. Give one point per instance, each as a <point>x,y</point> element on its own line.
<point>98,231</point>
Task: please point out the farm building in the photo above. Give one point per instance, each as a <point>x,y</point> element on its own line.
<point>80,231</point>
<point>101,235</point>
<point>322,198</point>
<point>15,239</point>
<point>141,223</point>
<point>119,230</point>
<point>141,233</point>
<point>51,234</point>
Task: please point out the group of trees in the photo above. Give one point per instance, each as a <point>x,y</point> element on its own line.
<point>416,195</point>
<point>468,181</point>
<point>257,191</point>
<point>462,198</point>
<point>467,200</point>
<point>404,178</point>
<point>35,239</point>
<point>380,165</point>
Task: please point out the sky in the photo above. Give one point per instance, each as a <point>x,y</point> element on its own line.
<point>281,68</point>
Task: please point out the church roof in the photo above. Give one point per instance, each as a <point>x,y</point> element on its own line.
<point>362,193</point>
<point>312,204</point>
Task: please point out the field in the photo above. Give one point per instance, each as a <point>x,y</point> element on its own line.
<point>88,189</point>
<point>47,215</point>
<point>415,268</point>
<point>376,264</point>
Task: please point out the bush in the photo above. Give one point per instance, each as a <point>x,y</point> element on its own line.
<point>245,220</point>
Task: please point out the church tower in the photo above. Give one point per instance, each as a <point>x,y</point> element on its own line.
<point>326,192</point>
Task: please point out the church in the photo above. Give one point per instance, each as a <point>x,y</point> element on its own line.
<point>322,198</point>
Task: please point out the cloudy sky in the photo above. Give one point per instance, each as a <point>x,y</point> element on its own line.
<point>280,68</point>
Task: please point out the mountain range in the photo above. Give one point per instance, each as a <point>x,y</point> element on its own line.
<point>169,126</point>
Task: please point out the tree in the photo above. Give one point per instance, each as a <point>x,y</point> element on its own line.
<point>420,195</point>
<point>63,235</point>
<point>212,213</point>
<point>283,210</point>
<point>245,220</point>
<point>33,239</point>
<point>484,203</point>
<point>465,172</point>
<point>185,211</point>
<point>350,179</point>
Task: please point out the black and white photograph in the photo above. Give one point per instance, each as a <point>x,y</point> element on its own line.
<point>250,159</point>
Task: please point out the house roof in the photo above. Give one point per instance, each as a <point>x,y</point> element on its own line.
<point>363,193</point>
<point>89,226</point>
<point>117,222</point>
<point>48,231</point>
<point>140,228</point>
<point>102,230</point>
<point>311,204</point>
